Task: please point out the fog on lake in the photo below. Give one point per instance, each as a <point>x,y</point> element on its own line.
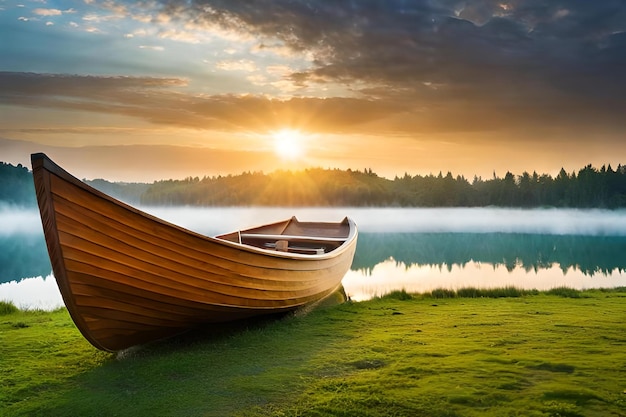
<point>413,249</point>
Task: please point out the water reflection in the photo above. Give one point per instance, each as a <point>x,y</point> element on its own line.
<point>590,254</point>
<point>23,255</point>
<point>391,275</point>
<point>420,262</point>
<point>414,249</point>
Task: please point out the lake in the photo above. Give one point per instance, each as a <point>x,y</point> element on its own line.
<point>413,249</point>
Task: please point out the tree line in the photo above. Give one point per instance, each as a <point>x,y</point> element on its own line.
<point>590,187</point>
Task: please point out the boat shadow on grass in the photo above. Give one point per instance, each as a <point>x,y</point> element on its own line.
<point>209,333</point>
<point>212,333</point>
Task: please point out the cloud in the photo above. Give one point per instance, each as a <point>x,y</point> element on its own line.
<point>152,48</point>
<point>164,101</point>
<point>524,59</point>
<point>34,84</point>
<point>403,67</point>
<point>47,12</point>
<point>237,65</point>
<point>180,36</point>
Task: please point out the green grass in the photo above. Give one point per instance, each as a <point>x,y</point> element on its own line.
<point>7,308</point>
<point>566,292</point>
<point>529,354</point>
<point>40,352</point>
<point>503,292</point>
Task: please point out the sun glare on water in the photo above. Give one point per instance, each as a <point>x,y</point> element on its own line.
<point>288,144</point>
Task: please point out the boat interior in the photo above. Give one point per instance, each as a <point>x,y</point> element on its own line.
<point>293,236</point>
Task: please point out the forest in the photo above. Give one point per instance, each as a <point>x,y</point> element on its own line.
<point>16,185</point>
<point>590,187</point>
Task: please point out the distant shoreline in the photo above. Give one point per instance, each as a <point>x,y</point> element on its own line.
<point>590,187</point>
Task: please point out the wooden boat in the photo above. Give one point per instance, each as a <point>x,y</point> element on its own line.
<point>128,278</point>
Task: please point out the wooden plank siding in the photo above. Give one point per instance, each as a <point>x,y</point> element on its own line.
<point>128,278</point>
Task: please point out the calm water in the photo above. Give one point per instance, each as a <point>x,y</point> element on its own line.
<point>412,249</point>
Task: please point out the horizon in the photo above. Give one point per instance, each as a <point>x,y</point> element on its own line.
<point>136,92</point>
<point>363,170</point>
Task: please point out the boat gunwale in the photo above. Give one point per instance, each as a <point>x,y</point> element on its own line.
<point>192,253</point>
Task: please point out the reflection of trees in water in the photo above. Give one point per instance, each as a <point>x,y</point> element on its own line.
<point>590,254</point>
<point>23,256</point>
<point>26,256</point>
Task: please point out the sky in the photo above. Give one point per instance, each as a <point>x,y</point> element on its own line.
<point>157,89</point>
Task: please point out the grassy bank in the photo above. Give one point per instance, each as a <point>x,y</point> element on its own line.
<point>466,353</point>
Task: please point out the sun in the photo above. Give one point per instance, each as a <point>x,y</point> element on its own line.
<point>288,144</point>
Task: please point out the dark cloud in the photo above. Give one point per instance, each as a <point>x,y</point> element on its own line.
<point>159,101</point>
<point>527,56</point>
<point>35,84</point>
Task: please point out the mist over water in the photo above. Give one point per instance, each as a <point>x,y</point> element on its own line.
<point>414,220</point>
<point>417,249</point>
<point>19,221</point>
<point>216,220</point>
<point>32,293</point>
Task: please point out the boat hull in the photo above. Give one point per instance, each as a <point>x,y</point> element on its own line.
<point>128,278</point>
